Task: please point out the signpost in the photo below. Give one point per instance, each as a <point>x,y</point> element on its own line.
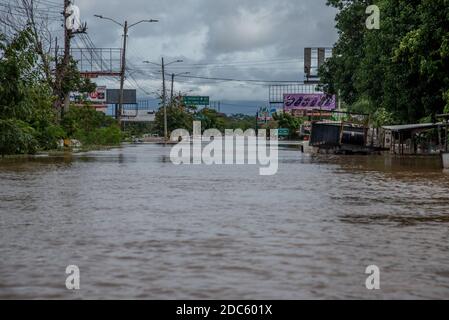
<point>196,101</point>
<point>283,132</point>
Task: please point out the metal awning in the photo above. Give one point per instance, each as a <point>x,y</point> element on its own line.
<point>412,127</point>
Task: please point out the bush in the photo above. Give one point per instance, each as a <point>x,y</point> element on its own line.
<point>48,137</point>
<point>86,119</point>
<point>100,137</point>
<point>17,137</point>
<point>91,127</point>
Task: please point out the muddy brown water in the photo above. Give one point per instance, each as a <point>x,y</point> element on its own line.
<point>139,227</point>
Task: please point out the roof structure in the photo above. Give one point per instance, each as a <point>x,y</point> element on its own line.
<point>412,127</point>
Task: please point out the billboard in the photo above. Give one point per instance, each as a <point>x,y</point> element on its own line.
<point>137,115</point>
<point>129,96</point>
<point>98,97</point>
<point>308,101</point>
<point>266,114</point>
<point>314,58</point>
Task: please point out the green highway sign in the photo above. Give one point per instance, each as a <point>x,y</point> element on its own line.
<point>196,101</point>
<point>283,132</point>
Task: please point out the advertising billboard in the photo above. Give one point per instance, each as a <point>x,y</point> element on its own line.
<point>98,97</point>
<point>129,96</point>
<point>266,114</point>
<point>307,101</point>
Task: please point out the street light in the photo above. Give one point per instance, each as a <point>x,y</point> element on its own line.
<point>125,27</point>
<point>164,94</point>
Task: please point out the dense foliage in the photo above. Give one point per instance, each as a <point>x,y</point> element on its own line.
<point>288,121</point>
<point>91,127</point>
<point>401,69</point>
<point>26,114</point>
<point>28,120</point>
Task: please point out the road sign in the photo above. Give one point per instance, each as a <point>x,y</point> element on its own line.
<point>196,101</point>
<point>282,132</point>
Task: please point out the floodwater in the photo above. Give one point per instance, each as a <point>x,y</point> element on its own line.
<point>138,226</point>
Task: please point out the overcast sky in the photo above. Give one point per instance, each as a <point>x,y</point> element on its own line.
<point>241,39</point>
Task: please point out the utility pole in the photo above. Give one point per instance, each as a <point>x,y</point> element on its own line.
<point>172,85</point>
<point>64,97</point>
<point>164,101</point>
<point>164,90</point>
<point>64,103</point>
<point>56,50</point>
<point>122,73</point>
<point>257,123</point>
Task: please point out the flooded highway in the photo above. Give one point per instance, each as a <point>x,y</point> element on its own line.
<point>138,226</point>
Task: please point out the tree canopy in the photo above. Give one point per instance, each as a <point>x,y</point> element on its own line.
<point>402,68</point>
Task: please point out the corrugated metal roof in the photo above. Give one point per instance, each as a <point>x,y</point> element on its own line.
<point>409,127</point>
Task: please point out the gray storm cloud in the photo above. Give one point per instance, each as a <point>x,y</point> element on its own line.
<point>216,31</point>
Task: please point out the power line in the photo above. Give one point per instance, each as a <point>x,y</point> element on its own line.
<point>253,81</point>
<point>239,80</point>
<point>22,10</point>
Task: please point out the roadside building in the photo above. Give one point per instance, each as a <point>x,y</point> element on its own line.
<point>423,138</point>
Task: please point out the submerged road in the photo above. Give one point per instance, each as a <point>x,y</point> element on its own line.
<point>139,227</point>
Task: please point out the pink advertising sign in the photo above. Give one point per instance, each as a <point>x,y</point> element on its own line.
<point>307,101</point>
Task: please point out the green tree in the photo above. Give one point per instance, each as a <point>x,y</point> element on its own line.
<point>25,98</point>
<point>287,121</point>
<point>178,117</point>
<point>91,127</point>
<point>211,119</point>
<point>402,68</point>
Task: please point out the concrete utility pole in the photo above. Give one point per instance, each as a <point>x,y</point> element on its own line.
<point>69,32</point>
<point>122,72</point>
<point>172,87</point>
<point>66,59</point>
<point>164,91</point>
<point>172,83</point>
<point>164,102</point>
